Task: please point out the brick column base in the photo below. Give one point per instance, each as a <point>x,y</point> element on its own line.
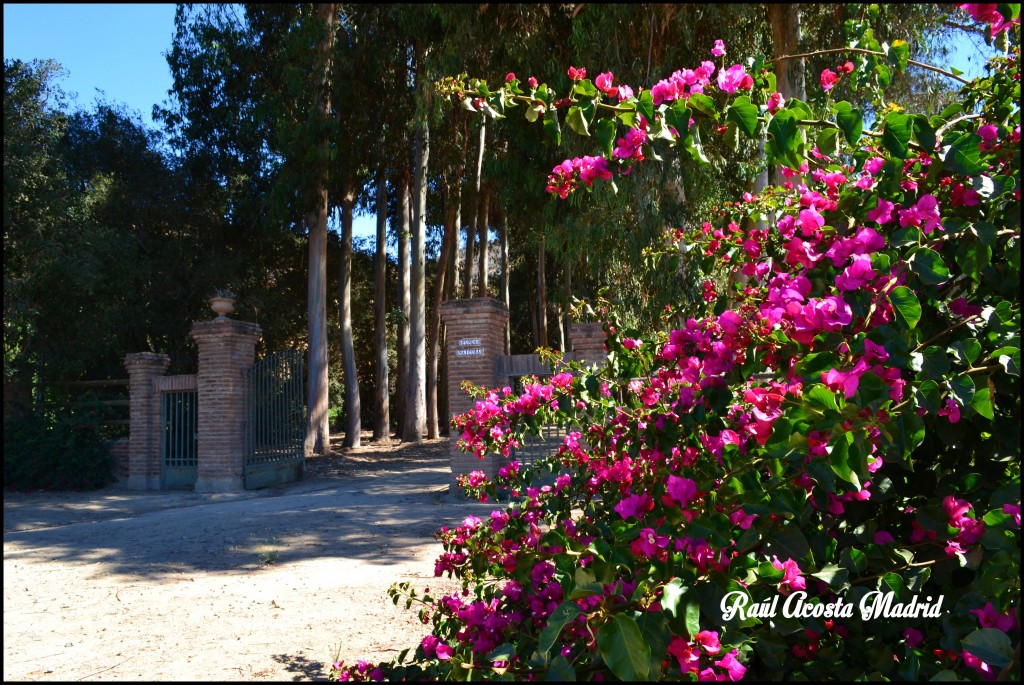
<point>226,348</point>
<point>144,428</point>
<point>588,342</point>
<point>475,336</point>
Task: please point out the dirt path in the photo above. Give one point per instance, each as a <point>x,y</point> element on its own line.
<point>259,585</point>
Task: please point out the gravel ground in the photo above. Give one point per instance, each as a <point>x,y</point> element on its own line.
<point>271,584</point>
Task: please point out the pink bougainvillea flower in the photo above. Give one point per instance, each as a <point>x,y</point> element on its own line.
<point>742,519</point>
<point>632,343</point>
<point>734,78</point>
<point>577,74</point>
<point>634,505</point>
<point>857,275</point>
<point>988,617</point>
<point>776,102</point>
<point>732,667</point>
<point>604,84</point>
<point>961,307</point>
<point>913,636</point>
<point>829,79</point>
<point>983,669</point>
<point>989,134</point>
<point>682,490</point>
<point>1014,511</point>
<point>649,542</point>
<point>792,578</point>
<point>625,93</point>
<point>882,214</point>
<point>874,165</point>
<point>532,81</point>
<point>510,76</point>
<point>719,49</point>
<point>952,410</point>
<point>708,640</point>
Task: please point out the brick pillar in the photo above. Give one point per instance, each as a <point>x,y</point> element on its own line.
<point>475,337</point>
<point>226,348</point>
<point>144,427</point>
<point>588,342</point>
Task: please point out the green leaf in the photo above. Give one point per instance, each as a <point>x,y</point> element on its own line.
<point>963,388</point>
<point>585,87</point>
<point>645,105</point>
<point>961,154</point>
<point>850,121</point>
<point>924,132</point>
<point>576,121</point>
<point>744,114</point>
<point>821,396</point>
<point>785,138</point>
<point>678,117</point>
<point>835,576</point>
<point>928,266</point>
<point>991,645</point>
<point>982,403</point>
<point>966,350</point>
<point>839,460</point>
<point>692,145</point>
<point>551,126</point>
<point>884,75</point>
<point>533,112</point>
<point>605,132</point>
<point>702,103</point>
<point>586,584</point>
<point>799,108</point>
<point>623,648</point>
<point>560,671</point>
<point>563,614</point>
<point>972,257</point>
<point>828,142</point>
<point>904,303</point>
<point>503,652</point>
<point>896,134</point>
<point>898,54</point>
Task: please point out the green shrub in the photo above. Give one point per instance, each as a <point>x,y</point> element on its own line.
<point>57,449</point>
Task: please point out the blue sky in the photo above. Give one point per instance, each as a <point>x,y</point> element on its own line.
<point>116,53</point>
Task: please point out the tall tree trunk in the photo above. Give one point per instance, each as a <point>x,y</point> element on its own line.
<point>353,406</point>
<point>434,334</point>
<point>402,387</point>
<point>785,24</point>
<point>502,222</point>
<point>382,414</point>
<point>415,409</point>
<point>473,226</point>
<point>318,430</point>
<point>789,74</point>
<point>483,222</point>
<point>542,296</point>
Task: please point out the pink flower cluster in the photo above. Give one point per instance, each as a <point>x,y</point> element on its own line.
<point>988,13</point>
<point>682,83</point>
<point>969,530</point>
<point>696,658</point>
<point>563,178</point>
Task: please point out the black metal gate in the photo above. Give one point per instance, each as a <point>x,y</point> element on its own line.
<point>179,439</point>
<point>275,420</point>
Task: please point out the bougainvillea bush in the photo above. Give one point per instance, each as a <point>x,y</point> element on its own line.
<point>816,478</point>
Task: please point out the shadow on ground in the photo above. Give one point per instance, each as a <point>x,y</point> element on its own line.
<point>380,506</point>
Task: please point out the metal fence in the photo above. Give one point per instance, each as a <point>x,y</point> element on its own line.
<point>179,444</point>
<point>275,420</point>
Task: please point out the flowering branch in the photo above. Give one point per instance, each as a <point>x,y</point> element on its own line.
<point>875,53</point>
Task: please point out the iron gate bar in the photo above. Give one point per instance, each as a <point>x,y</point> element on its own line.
<point>179,461</point>
<point>274,420</point>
